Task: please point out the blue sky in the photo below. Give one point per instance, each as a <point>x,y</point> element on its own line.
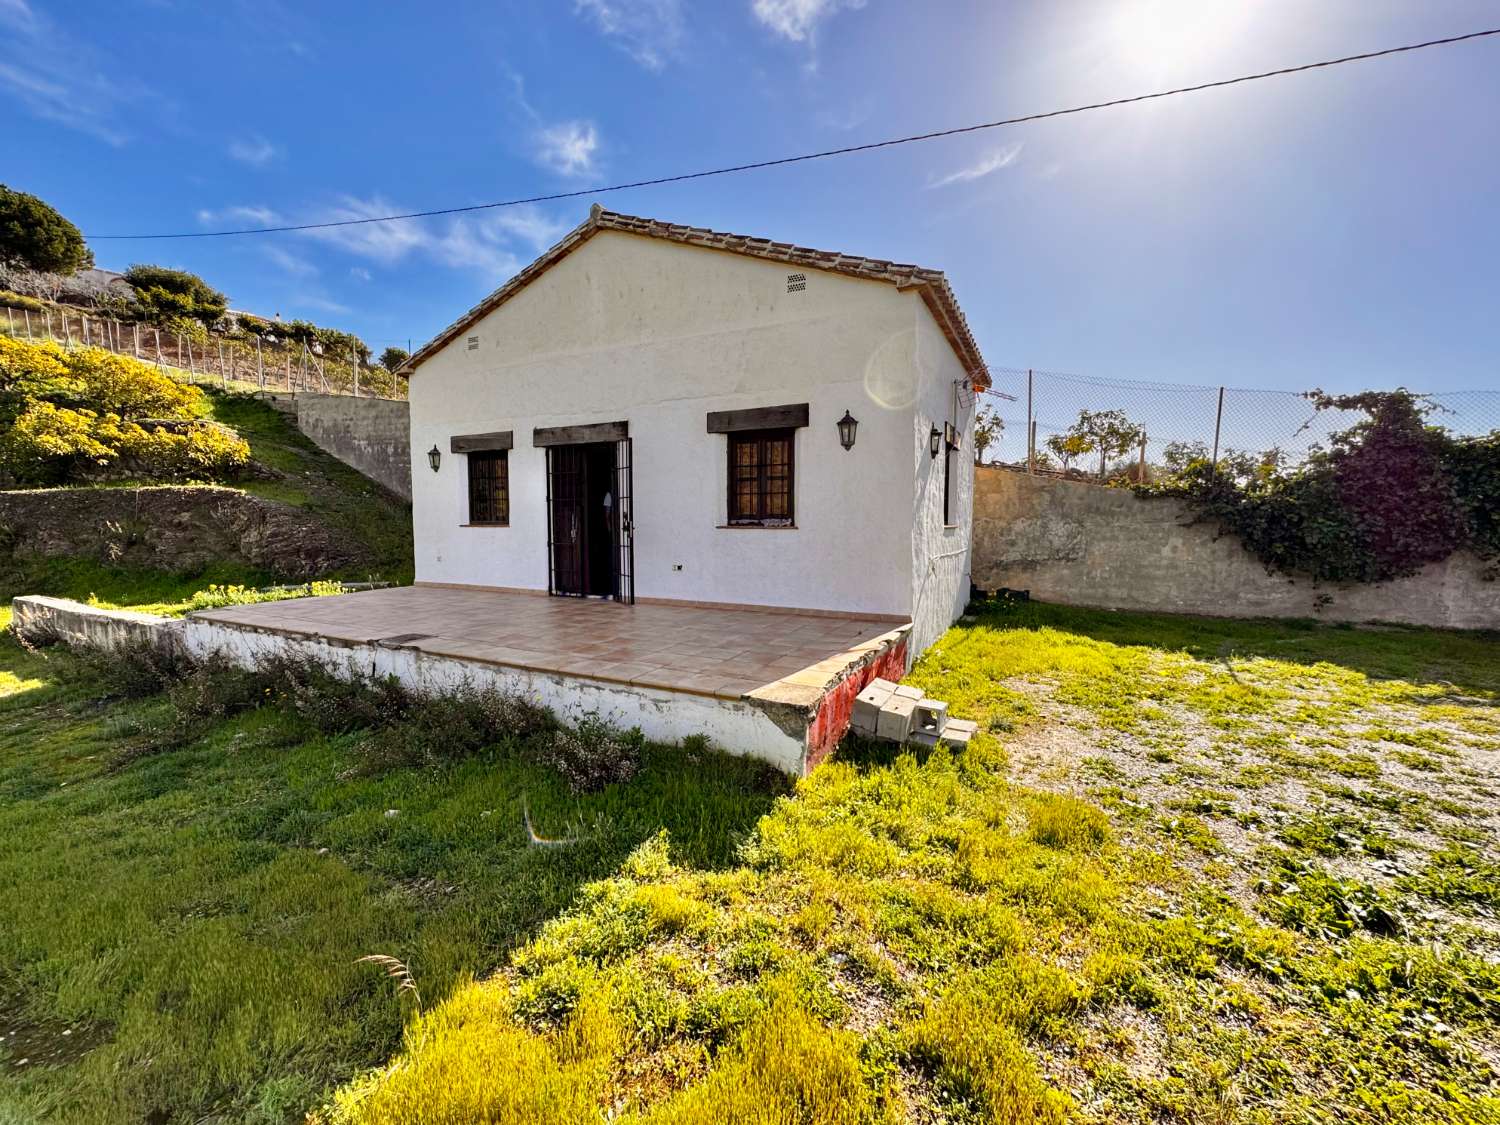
<point>1336,229</point>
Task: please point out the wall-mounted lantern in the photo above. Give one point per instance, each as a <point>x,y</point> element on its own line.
<point>847,425</point>
<point>434,458</point>
<point>935,441</point>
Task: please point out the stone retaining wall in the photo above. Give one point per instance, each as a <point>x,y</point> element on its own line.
<point>1084,544</point>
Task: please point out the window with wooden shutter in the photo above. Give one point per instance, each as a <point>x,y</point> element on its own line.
<point>489,487</point>
<point>760,478</point>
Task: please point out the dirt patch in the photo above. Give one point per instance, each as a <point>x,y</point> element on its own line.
<point>172,528</point>
<point>26,1044</point>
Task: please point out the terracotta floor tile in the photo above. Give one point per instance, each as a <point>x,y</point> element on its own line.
<point>728,652</point>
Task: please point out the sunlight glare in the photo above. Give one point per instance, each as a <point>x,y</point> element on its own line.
<point>1157,37</point>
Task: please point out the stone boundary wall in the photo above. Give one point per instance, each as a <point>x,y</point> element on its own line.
<point>372,435</point>
<point>1083,544</point>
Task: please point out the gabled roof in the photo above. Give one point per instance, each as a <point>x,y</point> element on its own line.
<point>931,284</point>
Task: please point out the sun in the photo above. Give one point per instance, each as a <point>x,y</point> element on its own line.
<point>1159,37</point>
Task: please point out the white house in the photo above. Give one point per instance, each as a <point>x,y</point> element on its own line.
<point>659,413</point>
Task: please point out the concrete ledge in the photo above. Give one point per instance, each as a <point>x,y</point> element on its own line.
<point>38,618</point>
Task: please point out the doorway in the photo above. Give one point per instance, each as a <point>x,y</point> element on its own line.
<point>590,525</point>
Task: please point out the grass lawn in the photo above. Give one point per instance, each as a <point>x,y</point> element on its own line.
<point>178,932</point>
<point>1189,871</point>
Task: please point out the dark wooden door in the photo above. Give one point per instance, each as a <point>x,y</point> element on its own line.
<point>567,489</point>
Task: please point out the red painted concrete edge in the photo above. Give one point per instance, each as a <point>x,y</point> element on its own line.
<point>836,707</point>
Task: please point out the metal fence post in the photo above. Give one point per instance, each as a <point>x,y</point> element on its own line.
<point>10,319</point>
<point>1143,459</point>
<point>260,364</point>
<point>1218,424</point>
<point>354,368</point>
<point>1030,427</point>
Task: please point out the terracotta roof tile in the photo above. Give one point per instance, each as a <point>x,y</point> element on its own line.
<point>934,287</point>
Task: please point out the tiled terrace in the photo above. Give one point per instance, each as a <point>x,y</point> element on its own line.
<point>777,655</point>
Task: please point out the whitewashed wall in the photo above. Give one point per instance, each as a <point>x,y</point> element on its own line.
<point>940,552</point>
<point>659,334</point>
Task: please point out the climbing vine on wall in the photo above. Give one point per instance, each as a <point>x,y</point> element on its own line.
<point>1390,494</point>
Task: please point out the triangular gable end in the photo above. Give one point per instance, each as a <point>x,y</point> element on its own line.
<point>931,284</point>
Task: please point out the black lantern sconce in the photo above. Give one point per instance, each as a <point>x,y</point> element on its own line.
<point>935,442</point>
<point>434,457</point>
<point>847,425</point>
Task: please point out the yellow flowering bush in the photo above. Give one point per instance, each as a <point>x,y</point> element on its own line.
<point>82,413</point>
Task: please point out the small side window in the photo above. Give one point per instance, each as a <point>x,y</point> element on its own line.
<point>489,487</point>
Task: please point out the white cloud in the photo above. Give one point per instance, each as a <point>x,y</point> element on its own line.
<point>567,148</point>
<point>528,223</point>
<point>294,265</point>
<point>255,151</point>
<point>649,31</point>
<point>60,79</point>
<point>259,216</point>
<point>383,242</point>
<point>19,15</point>
<point>1000,158</point>
<point>322,304</point>
<point>359,273</point>
<point>475,244</point>
<point>799,20</point>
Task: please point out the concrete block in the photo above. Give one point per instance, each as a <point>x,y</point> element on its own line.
<point>865,717</point>
<point>929,716</point>
<point>955,732</point>
<point>895,718</point>
<point>906,691</point>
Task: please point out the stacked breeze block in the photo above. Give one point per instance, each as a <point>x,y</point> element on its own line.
<point>900,714</point>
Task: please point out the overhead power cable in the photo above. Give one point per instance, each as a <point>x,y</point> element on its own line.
<point>824,154</point>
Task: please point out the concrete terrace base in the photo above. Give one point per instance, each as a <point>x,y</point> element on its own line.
<point>775,685</point>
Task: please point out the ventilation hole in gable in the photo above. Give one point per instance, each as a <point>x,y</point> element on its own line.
<point>473,343</point>
<point>796,282</point>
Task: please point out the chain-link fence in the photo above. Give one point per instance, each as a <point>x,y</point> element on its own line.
<point>1041,410</point>
<point>237,363</point>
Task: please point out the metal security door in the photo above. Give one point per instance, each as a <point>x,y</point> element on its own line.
<point>566,490</point>
<point>625,528</point>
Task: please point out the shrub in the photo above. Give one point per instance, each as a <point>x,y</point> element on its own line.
<point>33,369</point>
<point>133,670</point>
<point>118,384</point>
<point>165,295</point>
<point>21,301</point>
<point>216,597</point>
<point>593,754</point>
<point>45,442</point>
<point>1388,496</point>
<point>79,413</point>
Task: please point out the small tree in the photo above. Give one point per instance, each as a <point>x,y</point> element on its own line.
<point>165,293</point>
<point>35,236</point>
<point>988,428</point>
<point>393,357</point>
<point>1068,446</point>
<point>1106,432</point>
